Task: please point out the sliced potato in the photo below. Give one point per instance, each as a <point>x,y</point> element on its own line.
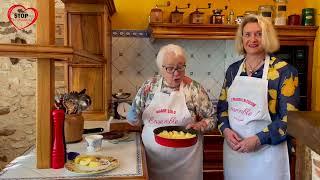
<point>176,135</point>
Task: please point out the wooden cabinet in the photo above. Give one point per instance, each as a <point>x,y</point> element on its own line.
<point>88,30</point>
<point>213,156</point>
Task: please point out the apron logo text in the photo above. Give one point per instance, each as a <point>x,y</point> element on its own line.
<point>172,120</point>
<point>245,111</point>
<point>244,100</point>
<point>169,111</point>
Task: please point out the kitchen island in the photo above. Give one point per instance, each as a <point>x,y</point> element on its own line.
<point>130,154</point>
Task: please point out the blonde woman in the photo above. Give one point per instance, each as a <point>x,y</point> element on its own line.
<point>258,92</point>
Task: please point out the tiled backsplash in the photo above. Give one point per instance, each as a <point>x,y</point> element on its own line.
<point>133,61</point>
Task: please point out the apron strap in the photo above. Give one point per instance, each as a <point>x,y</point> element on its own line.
<point>266,67</point>
<point>240,68</point>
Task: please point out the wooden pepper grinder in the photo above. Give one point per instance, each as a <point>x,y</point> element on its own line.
<point>58,153</point>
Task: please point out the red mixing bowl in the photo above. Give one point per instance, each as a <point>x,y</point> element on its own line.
<point>175,143</point>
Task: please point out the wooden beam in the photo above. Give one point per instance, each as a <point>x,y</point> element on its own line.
<point>79,8</point>
<point>45,83</point>
<point>30,48</point>
<point>305,127</point>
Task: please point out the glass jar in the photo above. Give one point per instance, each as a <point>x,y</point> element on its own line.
<point>266,11</point>
<point>281,12</point>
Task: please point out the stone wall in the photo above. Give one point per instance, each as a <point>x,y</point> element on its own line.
<point>18,85</point>
<point>17,90</point>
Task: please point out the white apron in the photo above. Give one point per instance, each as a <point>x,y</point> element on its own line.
<point>166,163</point>
<point>248,114</point>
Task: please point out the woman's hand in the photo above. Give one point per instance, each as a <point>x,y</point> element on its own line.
<point>232,139</point>
<point>199,126</point>
<point>249,144</point>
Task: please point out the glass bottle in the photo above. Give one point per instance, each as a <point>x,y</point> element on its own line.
<point>266,11</point>
<point>231,17</point>
<point>281,12</point>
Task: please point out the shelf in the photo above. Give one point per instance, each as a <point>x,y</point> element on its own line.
<point>224,32</point>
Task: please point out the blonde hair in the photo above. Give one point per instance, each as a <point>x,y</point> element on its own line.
<point>270,41</point>
<point>177,50</point>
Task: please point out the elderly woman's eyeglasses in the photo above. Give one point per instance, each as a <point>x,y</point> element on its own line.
<point>171,69</point>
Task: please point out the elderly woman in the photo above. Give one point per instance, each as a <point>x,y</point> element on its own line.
<point>258,92</point>
<point>186,104</point>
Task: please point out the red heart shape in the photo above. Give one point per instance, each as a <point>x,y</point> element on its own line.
<point>12,8</point>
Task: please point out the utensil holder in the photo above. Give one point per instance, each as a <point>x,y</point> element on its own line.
<point>73,128</point>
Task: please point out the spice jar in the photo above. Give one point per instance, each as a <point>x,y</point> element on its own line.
<point>308,17</point>
<point>281,12</point>
<point>266,11</point>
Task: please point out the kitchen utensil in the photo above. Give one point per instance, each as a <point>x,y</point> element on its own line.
<point>197,17</point>
<point>92,130</point>
<point>58,150</point>
<point>175,143</point>
<point>156,15</point>
<point>121,105</point>
<point>177,16</point>
<point>124,138</point>
<point>112,135</point>
<point>217,17</point>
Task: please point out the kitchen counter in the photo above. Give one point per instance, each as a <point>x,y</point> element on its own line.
<point>130,154</point>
